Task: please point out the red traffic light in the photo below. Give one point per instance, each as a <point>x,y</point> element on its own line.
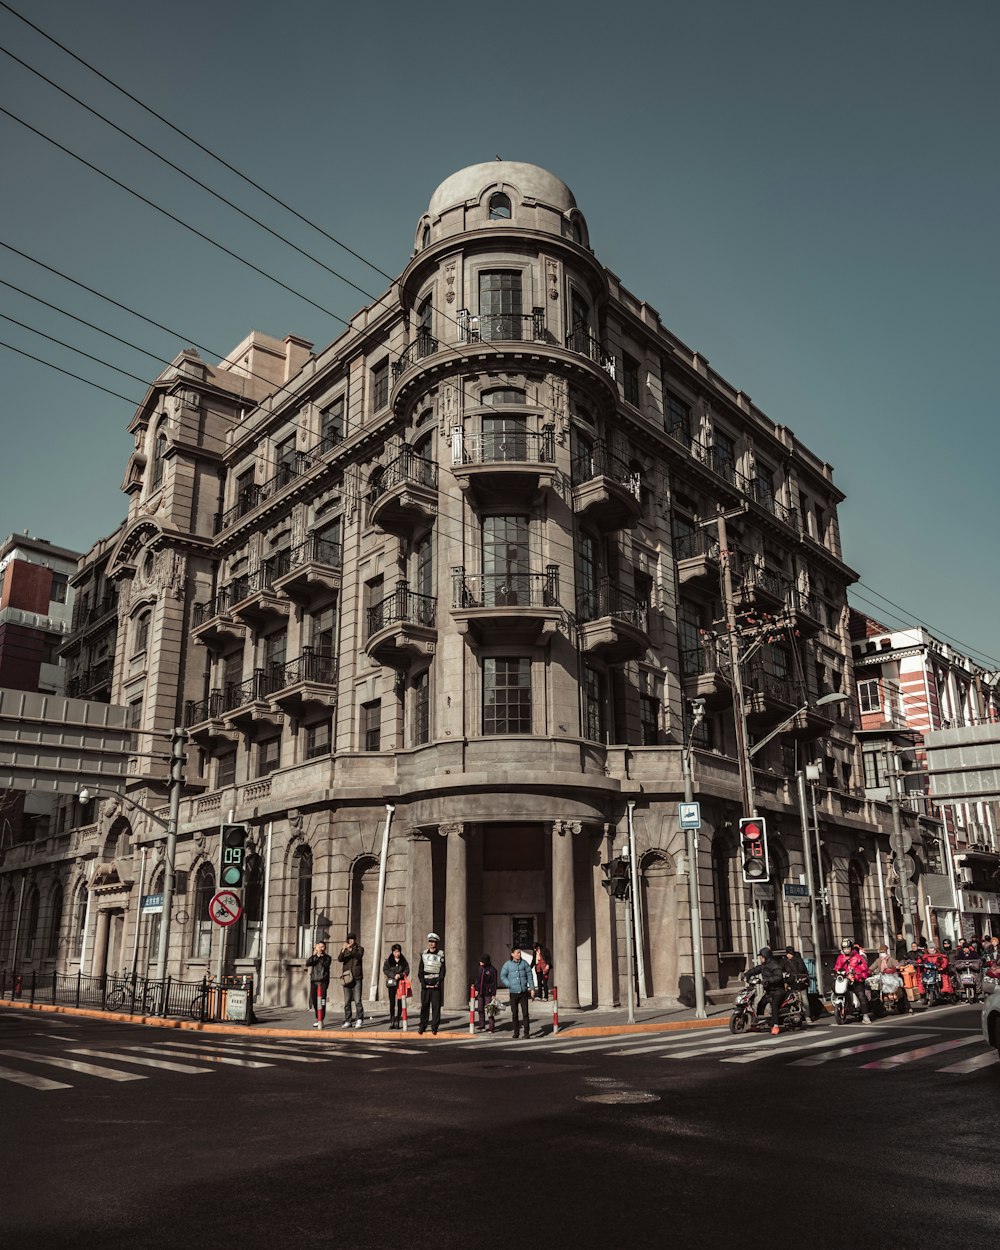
<point>751,830</point>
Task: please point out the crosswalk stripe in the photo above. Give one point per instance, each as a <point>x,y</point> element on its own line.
<point>259,1051</point>
<point>32,1081</point>
<point>766,1052</point>
<point>973,1064</point>
<point>165,1064</point>
<point>811,1061</point>
<point>208,1056</point>
<point>910,1056</point>
<point>88,1069</point>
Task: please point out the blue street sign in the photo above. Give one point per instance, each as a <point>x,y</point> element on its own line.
<point>151,902</point>
<point>690,815</point>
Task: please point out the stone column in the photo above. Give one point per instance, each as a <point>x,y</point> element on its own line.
<point>99,959</point>
<point>419,898</point>
<point>564,955</point>
<point>456,917</point>
<point>605,923</point>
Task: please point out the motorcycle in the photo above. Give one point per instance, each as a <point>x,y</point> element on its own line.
<point>843,1002</point>
<point>968,981</point>
<point>793,1014</point>
<point>991,979</point>
<point>886,992</point>
<point>930,975</point>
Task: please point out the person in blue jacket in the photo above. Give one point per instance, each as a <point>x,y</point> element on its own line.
<point>516,976</point>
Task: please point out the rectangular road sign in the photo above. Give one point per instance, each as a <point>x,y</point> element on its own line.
<point>151,902</point>
<point>690,815</point>
<point>794,890</point>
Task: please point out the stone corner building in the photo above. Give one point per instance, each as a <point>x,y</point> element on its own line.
<point>448,573</point>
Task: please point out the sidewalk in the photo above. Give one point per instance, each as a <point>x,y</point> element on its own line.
<point>297,1022</point>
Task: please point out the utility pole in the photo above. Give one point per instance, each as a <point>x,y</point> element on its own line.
<point>800,781</point>
<point>178,740</point>
<point>900,848</point>
<point>694,894</point>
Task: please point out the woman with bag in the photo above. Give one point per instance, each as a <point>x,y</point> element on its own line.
<point>396,971</point>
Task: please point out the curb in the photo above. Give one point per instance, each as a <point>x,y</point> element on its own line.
<point>258,1030</point>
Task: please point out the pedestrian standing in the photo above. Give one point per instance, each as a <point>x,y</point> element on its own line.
<point>543,970</point>
<point>395,970</point>
<point>516,976</point>
<point>900,946</point>
<point>352,975</point>
<point>430,974</point>
<point>485,986</point>
<point>319,963</point>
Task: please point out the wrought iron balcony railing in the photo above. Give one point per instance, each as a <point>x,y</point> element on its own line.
<point>406,467</point>
<point>583,343</point>
<point>506,447</point>
<point>506,590</point>
<point>424,344</point>
<point>311,665</point>
<point>599,462</point>
<point>501,327</point>
<point>609,599</point>
<point>251,497</point>
<point>401,606</point>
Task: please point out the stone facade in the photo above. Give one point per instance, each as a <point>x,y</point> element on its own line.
<point>454,574</point>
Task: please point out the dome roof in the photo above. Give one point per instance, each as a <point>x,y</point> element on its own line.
<point>527,180</point>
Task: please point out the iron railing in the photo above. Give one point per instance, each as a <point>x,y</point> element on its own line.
<point>406,467</point>
<point>401,606</point>
<point>501,327</point>
<point>695,543</point>
<point>315,666</point>
<point>608,599</point>
<point>599,462</point>
<point>505,590</point>
<point>251,496</point>
<point>86,613</point>
<point>425,344</point>
<point>583,343</point>
<point>316,550</point>
<point>505,447</point>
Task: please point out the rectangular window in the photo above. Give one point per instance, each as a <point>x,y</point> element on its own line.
<point>869,697</point>
<point>500,315</point>
<point>226,770</point>
<point>764,486</point>
<point>318,740</point>
<point>134,721</point>
<point>380,386</point>
<point>649,719</point>
<point>630,379</point>
<point>371,725</point>
<point>506,696</point>
<point>268,755</point>
<point>723,458</point>
<point>60,583</point>
<point>593,705</point>
<point>331,424</point>
<point>676,417</point>
<point>506,561</point>
<point>874,760</point>
<point>284,456</point>
<point>689,640</point>
<point>421,708</point>
<point>685,535</point>
<point>50,648</point>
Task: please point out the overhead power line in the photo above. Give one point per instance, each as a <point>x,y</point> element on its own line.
<point>76,377</point>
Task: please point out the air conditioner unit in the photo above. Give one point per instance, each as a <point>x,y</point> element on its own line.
<point>965,876</point>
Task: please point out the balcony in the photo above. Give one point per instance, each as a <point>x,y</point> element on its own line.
<point>703,677</point>
<point>404,495</point>
<point>583,343</point>
<point>613,624</point>
<point>86,613</point>
<point>423,345</point>
<point>252,596</point>
<point>246,705</point>
<point>506,607</point>
<point>769,697</point>
<point>306,684</point>
<point>501,467</point>
<point>213,624</point>
<point>806,614</point>
<point>502,327</point>
<point>762,494</point>
<point>605,490</point>
<point>251,497</point>
<point>314,570</point>
<point>759,587</point>
<point>698,564</point>
<point>92,682</point>
<point>204,723</point>
<point>401,627</point>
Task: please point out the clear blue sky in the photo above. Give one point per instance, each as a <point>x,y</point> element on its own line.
<point>807,193</point>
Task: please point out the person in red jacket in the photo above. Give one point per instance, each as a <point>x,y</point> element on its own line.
<point>934,987</point>
<point>852,962</point>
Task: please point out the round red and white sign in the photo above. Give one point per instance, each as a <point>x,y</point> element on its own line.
<point>226,907</point>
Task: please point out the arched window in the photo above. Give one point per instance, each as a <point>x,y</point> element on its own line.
<point>426,238</point>
<point>303,871</point>
<point>499,207</point>
<point>80,917</point>
<point>201,924</point>
<point>577,230</point>
<point>31,923</point>
<point>376,484</point>
<point>159,457</point>
<point>55,921</point>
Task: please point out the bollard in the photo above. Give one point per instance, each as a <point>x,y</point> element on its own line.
<point>472,1009</point>
<point>555,1009</point>
<point>402,1012</point>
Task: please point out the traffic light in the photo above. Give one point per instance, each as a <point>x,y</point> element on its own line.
<point>233,868</point>
<point>616,879</point>
<point>753,849</point>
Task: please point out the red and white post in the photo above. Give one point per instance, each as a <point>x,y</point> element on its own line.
<point>555,1009</point>
<point>472,1009</point>
<point>402,1011</point>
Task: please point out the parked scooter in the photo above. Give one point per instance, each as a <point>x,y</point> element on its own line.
<point>793,1014</point>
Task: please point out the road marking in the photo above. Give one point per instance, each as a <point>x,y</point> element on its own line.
<point>88,1069</point>
<point>971,1065</point>
<point>146,1063</point>
<point>777,1049</point>
<point>260,1051</point>
<point>812,1060</point>
<point>179,1051</point>
<point>58,1037</point>
<point>32,1081</point>
<point>910,1056</point>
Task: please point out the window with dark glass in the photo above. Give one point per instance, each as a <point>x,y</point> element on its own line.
<point>421,708</point>
<point>676,416</point>
<point>319,740</point>
<point>425,328</point>
<point>689,639</point>
<point>302,868</point>
<point>506,561</point>
<point>594,704</point>
<point>380,386</point>
<point>322,630</point>
<point>225,769</point>
<point>869,698</point>
<point>630,379</point>
<point>31,923</point>
<point>268,755</point>
<point>649,720</point>
<point>506,696</point>
<point>498,395</point>
<point>371,725</point>
<point>331,423</point>
<point>764,485</point>
<point>684,533</point>
<point>245,489</point>
<point>504,437</point>
<point>328,542</point>
<point>232,672</point>
<point>159,459</point>
<point>422,566</point>
<point>201,923</point>
<point>55,922</point>
<point>275,654</point>
<point>723,455</point>
<point>499,206</point>
<point>60,586</point>
<point>587,559</point>
<point>142,633</point>
<point>500,305</point>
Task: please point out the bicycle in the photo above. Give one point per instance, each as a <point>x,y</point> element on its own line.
<point>133,998</point>
<point>201,1001</point>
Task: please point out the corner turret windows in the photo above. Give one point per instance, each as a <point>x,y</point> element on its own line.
<point>499,207</point>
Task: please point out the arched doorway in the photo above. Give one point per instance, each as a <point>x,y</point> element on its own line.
<point>856,898</point>
<point>658,887</point>
<point>363,909</point>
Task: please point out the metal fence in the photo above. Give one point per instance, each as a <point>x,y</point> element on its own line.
<point>131,995</point>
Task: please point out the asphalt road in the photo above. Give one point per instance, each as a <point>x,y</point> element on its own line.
<point>878,1136</point>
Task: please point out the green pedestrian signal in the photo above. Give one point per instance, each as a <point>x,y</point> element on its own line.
<point>233,868</point>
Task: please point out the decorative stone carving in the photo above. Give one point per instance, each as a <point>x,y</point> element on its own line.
<point>449,278</point>
<point>451,829</point>
<point>561,827</point>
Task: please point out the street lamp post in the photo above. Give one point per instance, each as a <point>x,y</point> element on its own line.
<point>694,898</point>
<point>178,740</point>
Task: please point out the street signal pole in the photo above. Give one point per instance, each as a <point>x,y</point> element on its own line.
<point>233,857</point>
<point>753,850</point>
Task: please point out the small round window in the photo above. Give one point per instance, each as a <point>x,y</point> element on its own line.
<point>499,206</point>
